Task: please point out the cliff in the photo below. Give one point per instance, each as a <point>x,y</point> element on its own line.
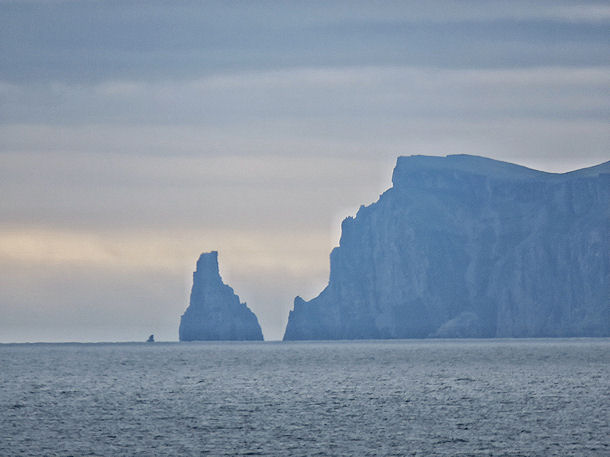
<point>464,246</point>
<point>215,312</point>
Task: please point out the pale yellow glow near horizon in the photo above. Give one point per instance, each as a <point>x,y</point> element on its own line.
<point>266,270</point>
<point>300,253</point>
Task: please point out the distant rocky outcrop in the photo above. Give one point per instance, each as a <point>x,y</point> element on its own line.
<point>464,246</point>
<point>215,312</point>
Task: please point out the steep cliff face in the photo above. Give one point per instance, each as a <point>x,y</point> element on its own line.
<point>464,246</point>
<point>215,312</point>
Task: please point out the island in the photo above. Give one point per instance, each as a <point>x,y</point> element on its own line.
<point>468,247</point>
<point>215,311</point>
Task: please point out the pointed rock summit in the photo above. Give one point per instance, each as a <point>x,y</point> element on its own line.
<point>464,246</point>
<point>215,312</point>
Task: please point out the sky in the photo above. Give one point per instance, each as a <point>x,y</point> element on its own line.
<point>135,135</point>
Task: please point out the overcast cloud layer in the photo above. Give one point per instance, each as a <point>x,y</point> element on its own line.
<point>135,135</point>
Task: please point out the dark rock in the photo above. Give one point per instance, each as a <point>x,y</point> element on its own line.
<point>465,246</point>
<point>215,312</point>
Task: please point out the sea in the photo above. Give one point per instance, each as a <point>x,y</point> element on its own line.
<point>526,397</point>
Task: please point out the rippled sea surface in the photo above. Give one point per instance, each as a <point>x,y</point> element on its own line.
<point>425,398</point>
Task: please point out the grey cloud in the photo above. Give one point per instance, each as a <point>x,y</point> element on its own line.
<point>106,190</point>
<point>96,41</point>
<point>339,94</point>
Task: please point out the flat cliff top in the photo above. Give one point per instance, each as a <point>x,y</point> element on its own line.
<point>406,165</point>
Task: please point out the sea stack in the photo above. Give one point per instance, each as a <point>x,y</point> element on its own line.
<point>215,312</point>
<point>464,246</point>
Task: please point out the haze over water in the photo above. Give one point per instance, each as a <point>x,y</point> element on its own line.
<point>424,398</point>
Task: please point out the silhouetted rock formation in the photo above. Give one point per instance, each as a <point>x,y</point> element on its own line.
<point>215,312</point>
<point>465,246</point>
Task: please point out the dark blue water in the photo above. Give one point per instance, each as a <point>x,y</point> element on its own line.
<point>424,398</point>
